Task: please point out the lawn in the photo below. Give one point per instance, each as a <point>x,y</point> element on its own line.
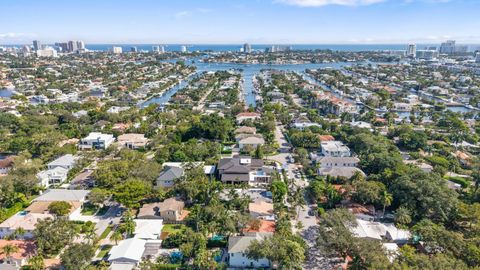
<point>172,228</point>
<point>89,209</point>
<point>104,251</point>
<point>106,232</point>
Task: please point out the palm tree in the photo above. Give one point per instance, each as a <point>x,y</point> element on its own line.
<point>116,236</point>
<point>387,199</point>
<point>36,262</point>
<point>19,232</point>
<point>90,235</point>
<point>129,224</point>
<point>8,250</point>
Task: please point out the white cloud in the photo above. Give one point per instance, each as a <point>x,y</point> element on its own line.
<point>319,3</point>
<point>182,14</point>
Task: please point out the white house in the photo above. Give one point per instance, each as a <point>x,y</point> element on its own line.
<point>237,247</point>
<point>53,176</point>
<point>117,109</point>
<point>127,253</point>
<point>96,140</point>
<point>330,161</point>
<point>335,149</point>
<point>148,229</point>
<point>66,161</point>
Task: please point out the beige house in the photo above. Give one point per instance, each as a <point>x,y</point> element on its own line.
<point>132,140</point>
<point>171,211</point>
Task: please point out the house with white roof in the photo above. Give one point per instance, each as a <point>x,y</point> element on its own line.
<point>53,176</point>
<point>96,140</point>
<point>128,253</point>
<point>335,149</point>
<point>148,229</point>
<point>380,231</point>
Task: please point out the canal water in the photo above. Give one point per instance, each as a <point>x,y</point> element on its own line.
<point>248,71</point>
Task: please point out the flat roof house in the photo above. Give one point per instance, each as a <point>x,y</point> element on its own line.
<point>96,140</point>
<point>335,149</point>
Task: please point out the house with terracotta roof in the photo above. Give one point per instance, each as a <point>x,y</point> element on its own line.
<point>6,164</point>
<point>25,249</point>
<point>247,116</point>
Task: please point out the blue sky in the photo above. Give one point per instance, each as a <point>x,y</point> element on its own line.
<point>239,21</point>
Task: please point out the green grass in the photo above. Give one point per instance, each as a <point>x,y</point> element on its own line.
<point>172,228</point>
<point>106,232</point>
<point>104,251</point>
<point>89,209</point>
<point>6,213</point>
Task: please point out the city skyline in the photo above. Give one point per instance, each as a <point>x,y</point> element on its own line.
<point>252,21</point>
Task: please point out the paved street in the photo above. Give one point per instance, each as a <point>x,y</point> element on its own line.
<point>110,217</point>
<point>309,230</point>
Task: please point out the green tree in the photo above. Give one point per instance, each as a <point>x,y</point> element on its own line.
<point>386,200</point>
<point>279,190</point>
<point>287,253</point>
<point>60,208</point>
<point>131,192</point>
<point>36,262</point>
<point>53,235</point>
<point>77,256</point>
<point>97,196</point>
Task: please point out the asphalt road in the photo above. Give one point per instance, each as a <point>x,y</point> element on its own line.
<point>110,217</point>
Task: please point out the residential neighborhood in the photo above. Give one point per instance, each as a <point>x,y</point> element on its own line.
<point>192,156</point>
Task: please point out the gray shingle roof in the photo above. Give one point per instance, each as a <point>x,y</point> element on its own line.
<point>171,173</point>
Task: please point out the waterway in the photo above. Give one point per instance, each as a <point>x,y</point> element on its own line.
<point>247,71</point>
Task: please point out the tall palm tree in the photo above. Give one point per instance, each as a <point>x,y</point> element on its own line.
<point>387,199</point>
<point>129,224</point>
<point>116,236</point>
<point>8,250</point>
